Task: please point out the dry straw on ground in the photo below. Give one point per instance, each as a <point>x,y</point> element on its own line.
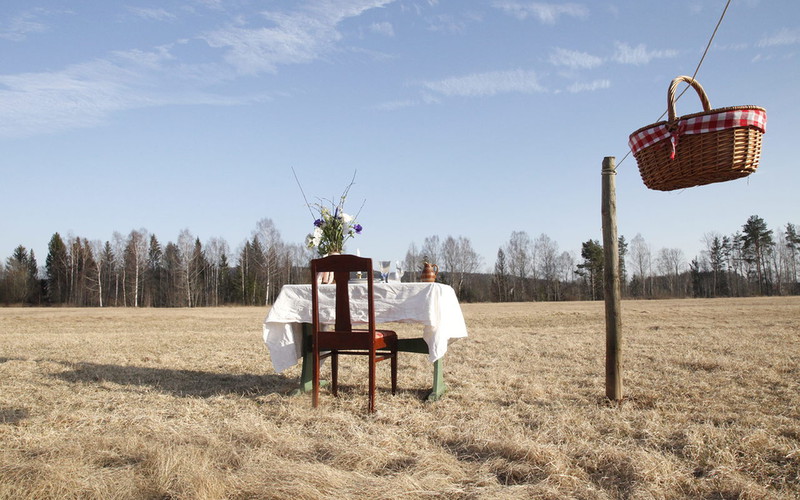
<point>126,403</point>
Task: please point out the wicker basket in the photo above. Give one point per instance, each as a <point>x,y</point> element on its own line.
<point>715,145</point>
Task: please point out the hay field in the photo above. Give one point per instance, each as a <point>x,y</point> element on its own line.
<point>125,403</point>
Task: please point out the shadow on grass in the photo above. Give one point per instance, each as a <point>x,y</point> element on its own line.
<point>12,416</point>
<point>185,383</point>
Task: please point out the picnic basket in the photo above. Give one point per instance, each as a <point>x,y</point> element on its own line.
<point>714,145</point>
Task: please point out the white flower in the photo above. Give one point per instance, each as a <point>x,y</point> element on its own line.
<point>313,239</point>
<point>347,219</point>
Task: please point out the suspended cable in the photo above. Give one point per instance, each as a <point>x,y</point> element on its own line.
<point>696,70</point>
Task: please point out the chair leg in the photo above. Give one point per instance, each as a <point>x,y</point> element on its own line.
<point>315,380</point>
<point>372,364</point>
<point>335,372</point>
<point>394,371</point>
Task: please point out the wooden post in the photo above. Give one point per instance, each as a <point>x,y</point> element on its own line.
<point>611,282</point>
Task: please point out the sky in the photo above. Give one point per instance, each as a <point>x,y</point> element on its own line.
<point>458,118</point>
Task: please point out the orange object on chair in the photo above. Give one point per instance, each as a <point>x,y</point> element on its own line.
<point>378,345</point>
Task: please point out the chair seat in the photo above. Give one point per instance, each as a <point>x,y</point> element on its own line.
<point>379,333</point>
<point>357,339</point>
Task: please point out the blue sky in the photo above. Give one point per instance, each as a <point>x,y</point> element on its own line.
<point>463,118</point>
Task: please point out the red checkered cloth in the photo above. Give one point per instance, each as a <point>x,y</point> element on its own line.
<point>711,122</point>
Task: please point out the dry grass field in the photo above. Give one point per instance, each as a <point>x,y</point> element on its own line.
<point>125,403</point>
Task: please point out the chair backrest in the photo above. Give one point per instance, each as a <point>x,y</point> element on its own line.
<point>342,266</point>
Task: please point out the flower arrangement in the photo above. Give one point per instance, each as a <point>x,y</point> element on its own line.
<point>333,227</point>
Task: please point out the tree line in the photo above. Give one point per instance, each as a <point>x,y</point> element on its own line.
<point>137,270</point>
<point>752,262</point>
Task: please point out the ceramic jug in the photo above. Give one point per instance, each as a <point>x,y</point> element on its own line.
<point>428,272</point>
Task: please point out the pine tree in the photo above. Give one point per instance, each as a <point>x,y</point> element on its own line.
<point>500,278</point>
<point>154,275</point>
<point>57,268</point>
<point>717,258</point>
<point>173,274</point>
<point>793,245</point>
<point>21,283</point>
<point>592,267</point>
<point>757,243</point>
<point>198,267</point>
<point>107,273</point>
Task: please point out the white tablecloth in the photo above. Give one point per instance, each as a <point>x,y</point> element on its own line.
<point>433,305</point>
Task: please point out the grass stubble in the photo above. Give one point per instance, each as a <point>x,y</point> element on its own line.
<point>179,403</point>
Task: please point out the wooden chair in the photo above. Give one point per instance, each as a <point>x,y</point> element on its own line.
<point>344,339</point>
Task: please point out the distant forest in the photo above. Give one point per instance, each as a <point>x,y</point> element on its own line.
<point>138,270</point>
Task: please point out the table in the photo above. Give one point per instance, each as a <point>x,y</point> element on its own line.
<point>287,328</point>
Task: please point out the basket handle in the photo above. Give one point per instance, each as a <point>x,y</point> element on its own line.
<point>671,95</point>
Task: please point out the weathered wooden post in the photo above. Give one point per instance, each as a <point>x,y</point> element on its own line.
<point>611,282</point>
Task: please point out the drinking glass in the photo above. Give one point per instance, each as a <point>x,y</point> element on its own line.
<point>385,265</point>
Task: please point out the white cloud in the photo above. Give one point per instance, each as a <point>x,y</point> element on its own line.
<point>782,37</point>
<point>546,13</point>
<point>86,94</point>
<point>625,54</point>
<point>382,28</point>
<point>395,105</point>
<point>151,14</point>
<point>589,87</point>
<point>20,26</point>
<point>45,102</point>
<point>448,23</point>
<point>212,4</point>
<point>487,84</point>
<point>574,59</point>
<point>295,37</point>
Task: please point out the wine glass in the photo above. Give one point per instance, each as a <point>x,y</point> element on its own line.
<point>398,268</point>
<point>385,265</point>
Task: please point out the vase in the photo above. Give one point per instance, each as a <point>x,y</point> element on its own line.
<point>429,272</point>
<point>326,278</point>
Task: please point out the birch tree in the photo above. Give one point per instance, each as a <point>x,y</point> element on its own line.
<point>640,258</point>
<point>98,275</point>
<point>671,263</point>
<point>459,260</point>
<point>136,260</point>
<point>518,252</point>
<point>269,239</point>
<point>120,273</point>
<point>216,254</point>
<point>412,262</point>
<point>185,251</point>
<point>432,250</point>
<point>547,251</point>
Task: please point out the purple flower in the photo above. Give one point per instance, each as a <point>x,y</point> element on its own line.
<point>319,222</point>
<point>358,228</point>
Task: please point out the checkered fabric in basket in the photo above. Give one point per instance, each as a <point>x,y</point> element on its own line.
<point>713,146</point>
<point>712,122</point>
